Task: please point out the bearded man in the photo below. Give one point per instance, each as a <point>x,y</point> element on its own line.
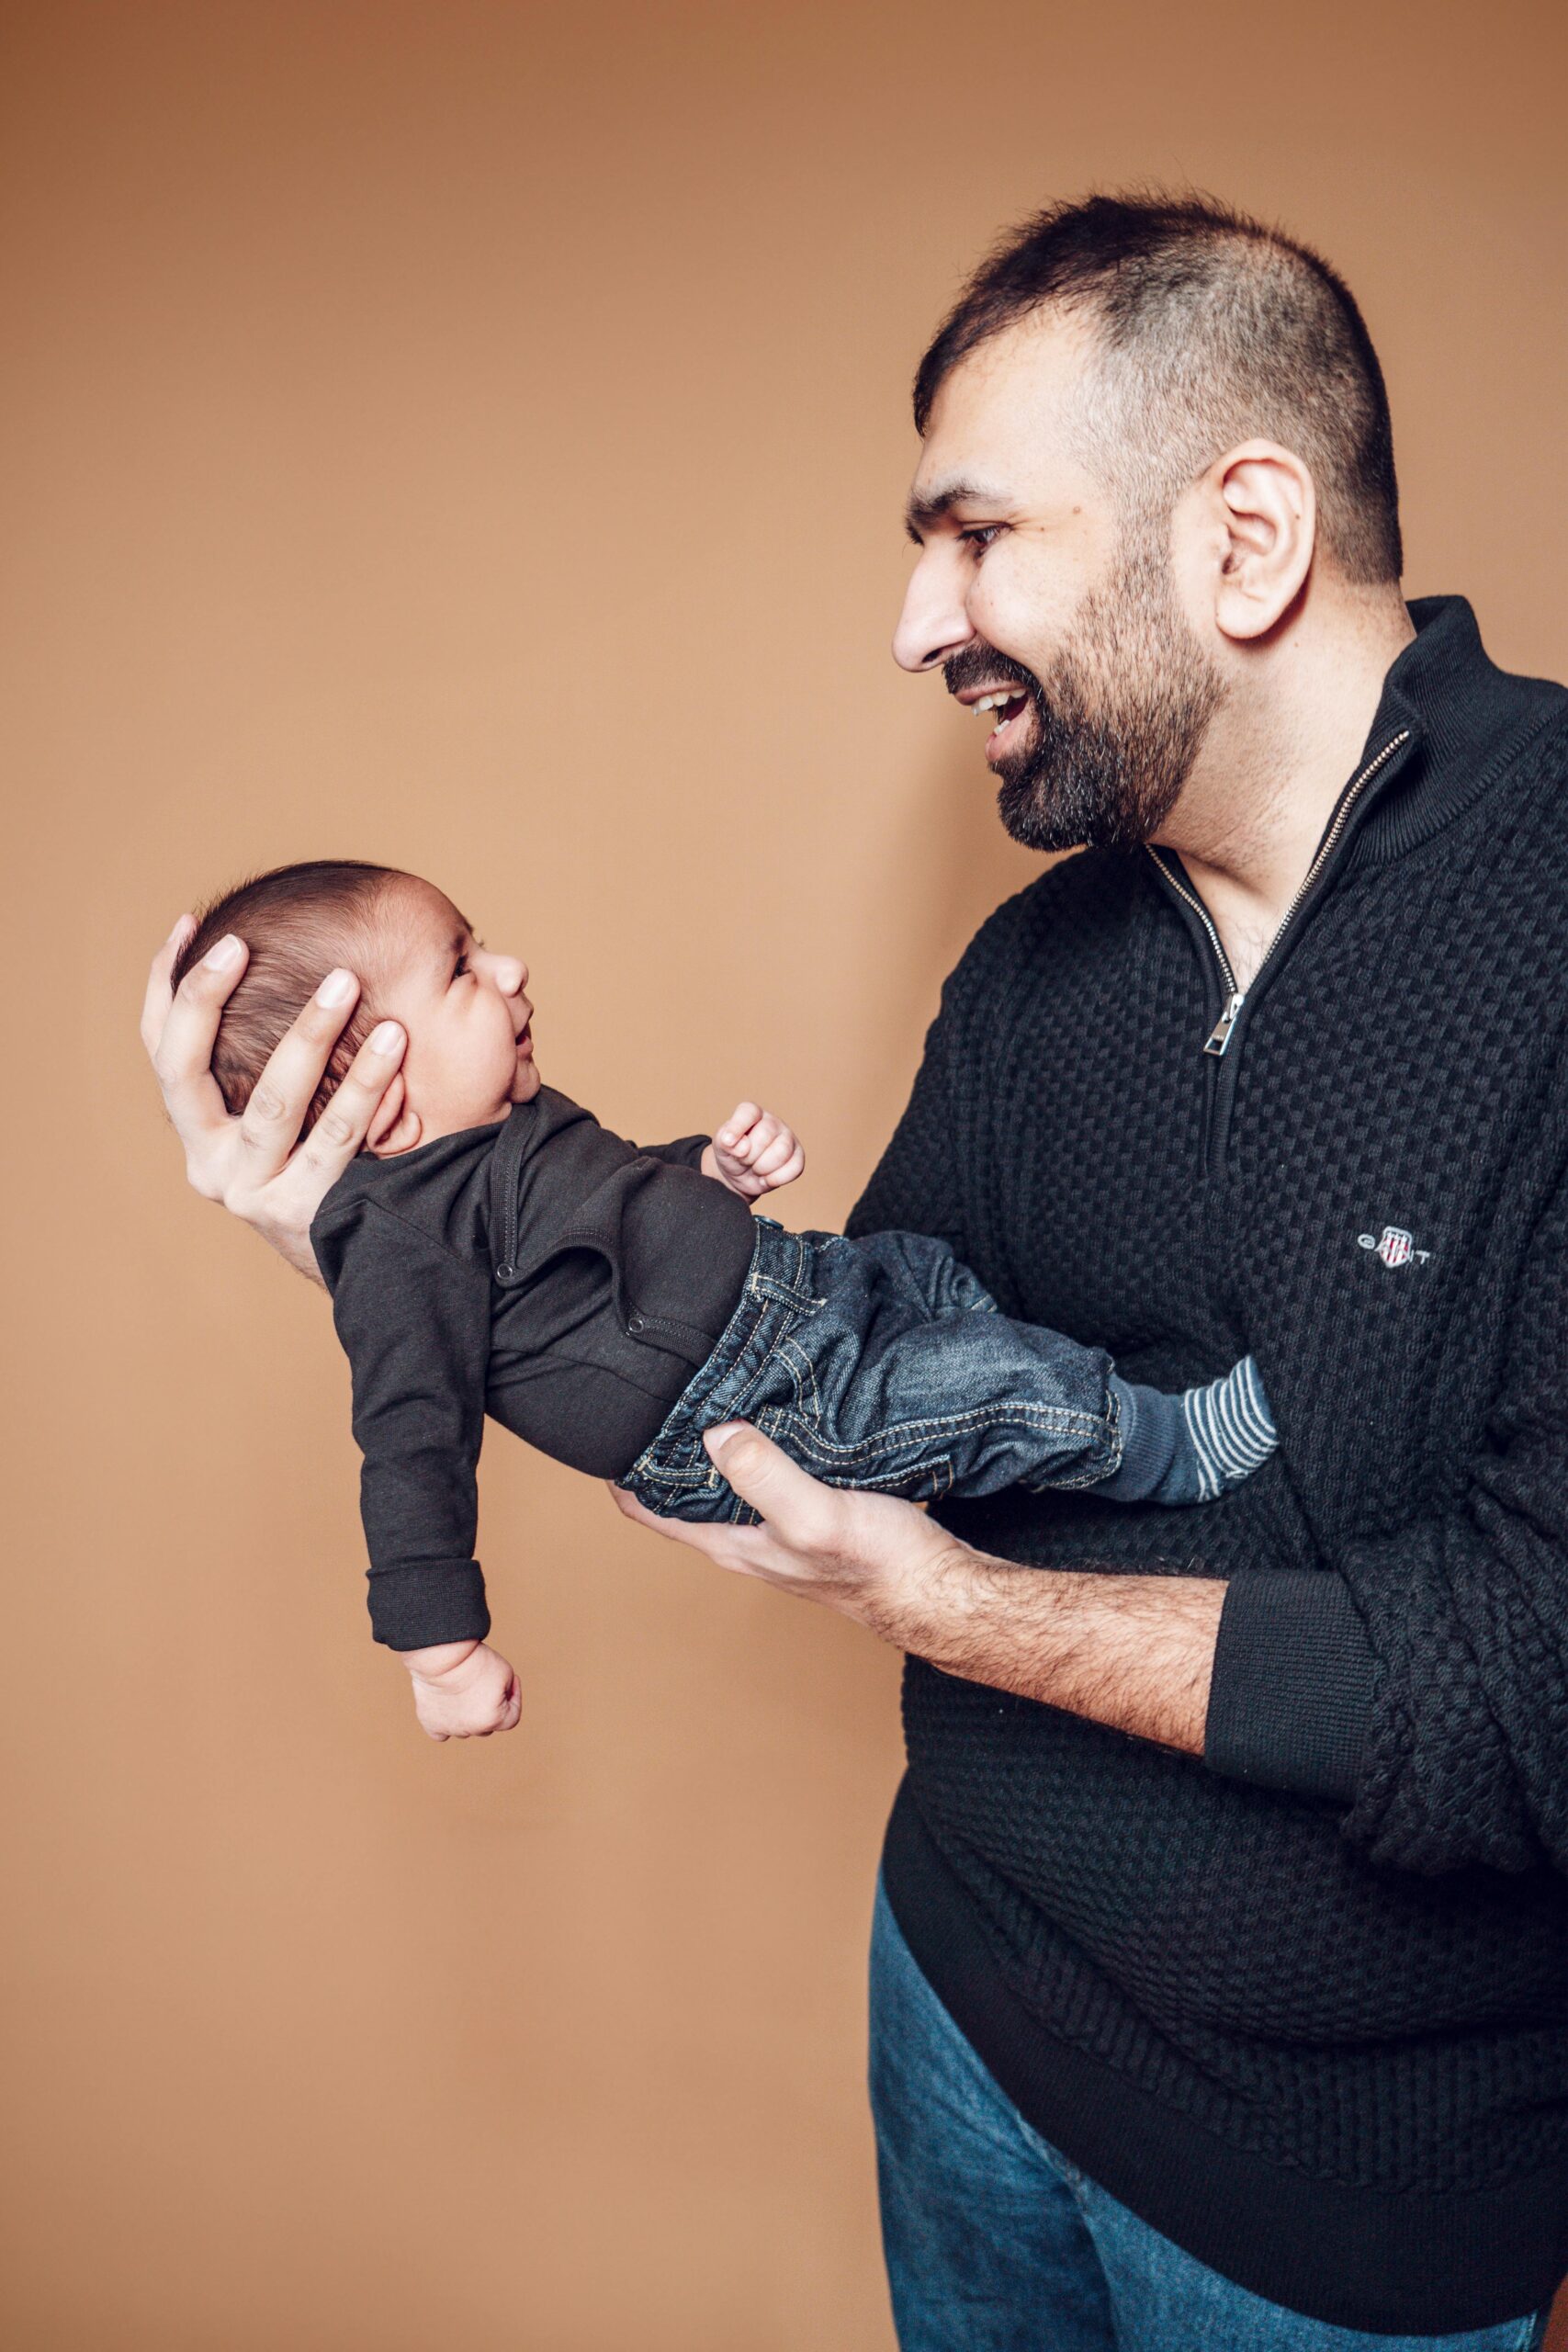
<point>1220,1963</point>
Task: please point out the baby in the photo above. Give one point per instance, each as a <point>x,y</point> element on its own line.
<point>494,1250</point>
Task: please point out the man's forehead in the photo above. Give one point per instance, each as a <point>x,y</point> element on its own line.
<point>1000,415</point>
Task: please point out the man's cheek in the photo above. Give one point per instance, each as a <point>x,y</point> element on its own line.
<point>1010,611</point>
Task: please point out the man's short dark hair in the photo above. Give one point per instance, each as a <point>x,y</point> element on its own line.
<point>1211,330</point>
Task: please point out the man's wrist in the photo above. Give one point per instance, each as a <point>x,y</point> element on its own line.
<point>1135,1653</point>
<point>292,1244</point>
<point>929,1595</point>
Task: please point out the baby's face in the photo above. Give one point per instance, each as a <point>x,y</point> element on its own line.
<point>470,1053</point>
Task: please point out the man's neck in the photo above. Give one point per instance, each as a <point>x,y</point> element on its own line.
<point>1279,755</point>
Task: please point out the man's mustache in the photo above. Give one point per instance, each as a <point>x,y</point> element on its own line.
<point>982,665</point>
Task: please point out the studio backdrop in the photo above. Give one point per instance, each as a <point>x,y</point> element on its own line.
<point>473,437</point>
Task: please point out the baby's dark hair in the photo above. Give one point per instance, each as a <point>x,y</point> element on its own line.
<point>298,922</point>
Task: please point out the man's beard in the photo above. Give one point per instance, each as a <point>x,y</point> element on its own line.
<point>1117,721</point>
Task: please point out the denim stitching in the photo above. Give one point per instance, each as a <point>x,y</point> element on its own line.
<point>1056,1418</point>
<point>777,1297</point>
<point>1051,1418</point>
<point>804,1378</point>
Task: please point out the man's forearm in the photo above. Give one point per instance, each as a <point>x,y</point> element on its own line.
<point>1134,1652</point>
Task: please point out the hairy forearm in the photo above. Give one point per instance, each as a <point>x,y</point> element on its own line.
<point>1134,1652</point>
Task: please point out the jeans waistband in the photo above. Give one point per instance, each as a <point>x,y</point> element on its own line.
<point>778,1289</point>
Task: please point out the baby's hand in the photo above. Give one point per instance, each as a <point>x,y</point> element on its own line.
<point>753,1153</point>
<point>463,1696</point>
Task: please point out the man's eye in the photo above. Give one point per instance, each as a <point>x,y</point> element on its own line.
<point>980,534</point>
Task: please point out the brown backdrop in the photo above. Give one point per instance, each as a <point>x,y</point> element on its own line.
<point>472,436</point>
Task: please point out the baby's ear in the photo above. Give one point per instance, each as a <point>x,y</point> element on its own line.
<point>395,1127</point>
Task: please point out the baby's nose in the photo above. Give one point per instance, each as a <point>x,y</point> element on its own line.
<point>511,975</point>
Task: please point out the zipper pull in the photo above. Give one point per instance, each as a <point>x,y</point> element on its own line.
<point>1219,1036</point>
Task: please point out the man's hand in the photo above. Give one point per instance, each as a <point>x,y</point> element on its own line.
<point>255,1164</point>
<point>753,1153</point>
<point>861,1554</point>
<point>463,1690</point>
<point>1134,1652</point>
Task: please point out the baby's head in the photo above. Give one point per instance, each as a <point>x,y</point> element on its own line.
<point>470,1054</point>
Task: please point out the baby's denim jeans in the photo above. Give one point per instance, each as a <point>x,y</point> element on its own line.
<point>884,1363</point>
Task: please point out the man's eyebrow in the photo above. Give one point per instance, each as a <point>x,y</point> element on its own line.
<point>938,504</point>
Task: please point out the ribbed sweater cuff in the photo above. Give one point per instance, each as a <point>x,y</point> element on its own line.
<point>1152,1435</point>
<point>1292,1697</point>
<point>439,1601</point>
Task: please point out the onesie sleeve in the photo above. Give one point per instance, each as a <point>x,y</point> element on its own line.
<point>414,1322</point>
<point>686,1151</point>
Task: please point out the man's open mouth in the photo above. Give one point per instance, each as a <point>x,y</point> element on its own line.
<point>1009,704</point>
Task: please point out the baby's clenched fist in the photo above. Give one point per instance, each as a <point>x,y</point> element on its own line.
<point>463,1691</point>
<point>754,1152</point>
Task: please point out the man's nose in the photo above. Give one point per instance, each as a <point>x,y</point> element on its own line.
<point>934,622</point>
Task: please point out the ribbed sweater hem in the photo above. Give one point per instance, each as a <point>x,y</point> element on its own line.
<point>1404,2262</point>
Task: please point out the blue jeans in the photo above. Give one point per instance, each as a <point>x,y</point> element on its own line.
<point>995,2243</point>
<point>884,1363</point>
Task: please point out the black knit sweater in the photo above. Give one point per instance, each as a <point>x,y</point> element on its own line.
<point>1301,2005</point>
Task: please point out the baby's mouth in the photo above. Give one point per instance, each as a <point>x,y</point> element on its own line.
<point>526,1043</point>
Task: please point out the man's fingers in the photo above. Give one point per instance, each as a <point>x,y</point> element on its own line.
<point>742,1549</point>
<point>183,1055</point>
<point>270,1124</point>
<point>341,1130</point>
<point>159,995</point>
<point>702,1533</point>
<point>798,1511</point>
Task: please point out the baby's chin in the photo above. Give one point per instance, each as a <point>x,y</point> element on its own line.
<point>527,1083</point>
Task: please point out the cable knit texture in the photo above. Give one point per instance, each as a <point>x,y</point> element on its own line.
<point>1331,1958</point>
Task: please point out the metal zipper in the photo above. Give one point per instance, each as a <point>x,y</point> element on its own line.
<point>1219,1036</point>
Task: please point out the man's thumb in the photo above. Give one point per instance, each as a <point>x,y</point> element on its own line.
<point>759,1471</point>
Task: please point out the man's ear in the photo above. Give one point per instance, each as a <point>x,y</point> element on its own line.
<point>395,1127</point>
<point>1264,509</point>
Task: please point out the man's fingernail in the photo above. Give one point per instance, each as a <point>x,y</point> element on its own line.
<point>386,1037</point>
<point>226,952</point>
<point>179,926</point>
<point>336,989</point>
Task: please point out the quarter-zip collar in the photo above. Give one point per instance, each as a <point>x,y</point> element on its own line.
<point>1467,720</point>
<point>1448,722</point>
<point>1352,802</point>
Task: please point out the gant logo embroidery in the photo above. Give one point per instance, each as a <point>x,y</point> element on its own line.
<point>1395,1246</point>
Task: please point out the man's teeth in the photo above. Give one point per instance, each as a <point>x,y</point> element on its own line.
<point>996,702</point>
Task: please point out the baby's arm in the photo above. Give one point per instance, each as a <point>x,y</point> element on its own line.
<point>415,1321</point>
<point>753,1153</point>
